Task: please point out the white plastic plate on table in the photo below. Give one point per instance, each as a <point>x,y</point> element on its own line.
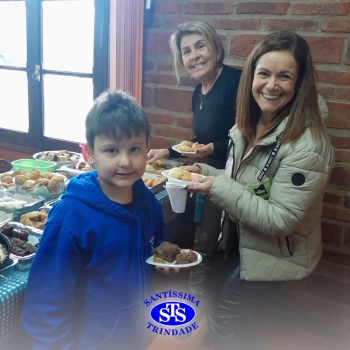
<point>177,181</point>
<point>175,266</point>
<point>182,152</point>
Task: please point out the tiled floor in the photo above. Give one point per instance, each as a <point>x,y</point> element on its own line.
<point>313,314</point>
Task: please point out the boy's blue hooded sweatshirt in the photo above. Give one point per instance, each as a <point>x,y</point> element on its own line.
<point>89,277</point>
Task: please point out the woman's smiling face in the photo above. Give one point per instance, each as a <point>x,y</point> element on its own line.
<point>274,82</point>
<point>198,57</point>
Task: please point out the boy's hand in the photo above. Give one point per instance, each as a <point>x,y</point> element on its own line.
<point>168,270</point>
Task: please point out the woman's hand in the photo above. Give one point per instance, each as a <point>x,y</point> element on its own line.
<point>155,154</point>
<point>203,186</point>
<point>201,152</point>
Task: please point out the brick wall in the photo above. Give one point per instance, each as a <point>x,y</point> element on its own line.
<point>326,27</point>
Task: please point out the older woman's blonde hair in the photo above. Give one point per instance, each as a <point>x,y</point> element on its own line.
<point>303,109</point>
<point>200,28</point>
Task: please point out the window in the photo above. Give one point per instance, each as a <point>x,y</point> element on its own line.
<point>53,63</point>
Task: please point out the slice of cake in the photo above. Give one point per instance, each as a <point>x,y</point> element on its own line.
<point>186,256</point>
<point>166,252</point>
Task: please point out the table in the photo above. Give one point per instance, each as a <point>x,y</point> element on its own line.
<point>13,284</point>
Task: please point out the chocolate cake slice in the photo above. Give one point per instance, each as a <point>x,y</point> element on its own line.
<point>166,252</point>
<point>186,256</point>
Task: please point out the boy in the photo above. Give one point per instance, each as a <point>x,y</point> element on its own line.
<point>87,282</point>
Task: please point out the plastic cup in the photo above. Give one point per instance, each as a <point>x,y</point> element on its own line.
<point>178,197</point>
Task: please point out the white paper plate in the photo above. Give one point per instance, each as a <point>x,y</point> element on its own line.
<point>182,152</point>
<point>177,181</point>
<point>175,266</point>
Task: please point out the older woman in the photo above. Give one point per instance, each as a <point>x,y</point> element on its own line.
<point>272,191</point>
<point>199,50</point>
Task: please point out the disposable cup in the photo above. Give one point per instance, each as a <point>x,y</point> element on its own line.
<point>177,196</point>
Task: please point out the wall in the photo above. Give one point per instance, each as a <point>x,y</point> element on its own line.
<point>326,27</point>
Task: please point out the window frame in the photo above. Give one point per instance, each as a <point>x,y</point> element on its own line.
<point>34,140</point>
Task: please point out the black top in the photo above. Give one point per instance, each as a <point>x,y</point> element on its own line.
<point>217,116</point>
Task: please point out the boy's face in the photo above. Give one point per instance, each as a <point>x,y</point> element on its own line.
<point>119,164</point>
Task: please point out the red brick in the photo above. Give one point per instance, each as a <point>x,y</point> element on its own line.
<point>169,8</point>
<point>291,24</point>
<point>340,177</point>
<point>173,22</point>
<point>347,237</point>
<point>342,155</point>
<point>325,91</point>
<point>243,44</point>
<point>209,8</point>
<point>342,93</point>
<point>326,49</point>
<point>338,115</point>
<point>158,142</point>
<point>188,81</point>
<point>341,142</point>
<point>262,8</point>
<point>156,44</point>
<point>236,24</point>
<point>165,66</point>
<point>318,8</point>
<point>163,79</point>
<point>173,100</point>
<point>148,66</point>
<point>336,214</point>
<point>185,122</point>
<point>329,77</point>
<point>331,198</point>
<point>347,58</point>
<point>336,25</point>
<point>331,233</point>
<point>161,118</point>
<point>147,97</point>
<point>151,21</point>
<point>336,257</point>
<point>347,202</point>
<point>177,133</point>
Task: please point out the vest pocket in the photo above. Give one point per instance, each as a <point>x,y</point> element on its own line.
<point>286,247</point>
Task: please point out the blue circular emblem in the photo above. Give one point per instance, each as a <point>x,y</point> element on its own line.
<point>173,313</point>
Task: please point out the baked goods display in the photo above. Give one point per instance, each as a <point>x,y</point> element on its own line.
<point>169,253</point>
<point>6,180</point>
<point>182,174</point>
<point>83,166</point>
<point>10,203</point>
<point>151,182</point>
<point>58,156</point>
<point>19,240</point>
<point>5,248</point>
<point>32,180</point>
<point>157,167</point>
<point>188,146</point>
<point>35,219</point>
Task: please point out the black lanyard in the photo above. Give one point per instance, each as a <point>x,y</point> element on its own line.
<point>269,161</point>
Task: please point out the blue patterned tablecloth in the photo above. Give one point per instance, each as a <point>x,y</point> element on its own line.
<point>12,288</point>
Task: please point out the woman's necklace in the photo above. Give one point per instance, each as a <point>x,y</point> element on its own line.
<point>203,97</point>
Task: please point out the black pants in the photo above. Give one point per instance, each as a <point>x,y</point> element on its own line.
<point>229,319</point>
<point>207,244</point>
